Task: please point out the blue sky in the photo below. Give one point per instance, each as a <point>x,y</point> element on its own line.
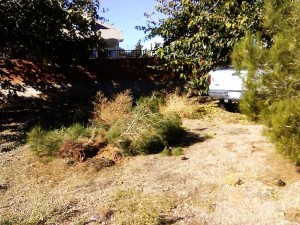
<point>125,15</point>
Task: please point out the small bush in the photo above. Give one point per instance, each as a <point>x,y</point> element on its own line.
<point>147,143</point>
<point>48,143</point>
<point>151,103</point>
<point>6,222</point>
<point>146,131</point>
<point>169,128</point>
<point>45,143</point>
<point>116,130</point>
<point>109,111</point>
<point>135,130</point>
<point>76,131</point>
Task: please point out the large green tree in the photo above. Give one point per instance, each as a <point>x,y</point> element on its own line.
<point>52,29</point>
<point>199,34</point>
<point>272,85</point>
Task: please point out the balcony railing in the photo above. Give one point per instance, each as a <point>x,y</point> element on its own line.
<point>94,54</point>
<point>116,54</point>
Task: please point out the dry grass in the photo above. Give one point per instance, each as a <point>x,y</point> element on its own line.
<point>30,192</point>
<point>210,111</point>
<point>182,105</point>
<point>109,111</point>
<point>131,207</point>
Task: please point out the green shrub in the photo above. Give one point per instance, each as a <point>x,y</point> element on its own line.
<point>151,103</point>
<point>250,105</point>
<point>283,118</point>
<point>6,222</point>
<point>147,143</point>
<point>169,128</point>
<point>45,143</point>
<point>146,131</point>
<point>116,130</point>
<point>151,135</point>
<point>273,94</point>
<point>76,131</point>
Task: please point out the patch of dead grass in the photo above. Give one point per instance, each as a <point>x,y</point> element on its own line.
<point>182,105</point>
<point>134,207</point>
<point>38,192</point>
<point>211,110</point>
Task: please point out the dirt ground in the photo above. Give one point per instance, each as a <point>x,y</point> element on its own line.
<point>231,174</point>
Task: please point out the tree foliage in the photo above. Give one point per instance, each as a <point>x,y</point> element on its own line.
<point>199,34</point>
<point>52,29</point>
<point>273,74</point>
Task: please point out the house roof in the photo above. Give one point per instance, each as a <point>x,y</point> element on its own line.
<point>108,32</point>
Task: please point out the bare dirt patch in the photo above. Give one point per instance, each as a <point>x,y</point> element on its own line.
<point>231,175</point>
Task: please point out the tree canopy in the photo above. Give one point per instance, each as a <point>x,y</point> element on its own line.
<point>52,29</point>
<point>199,34</point>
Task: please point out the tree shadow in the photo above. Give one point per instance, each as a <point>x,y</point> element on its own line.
<point>191,138</point>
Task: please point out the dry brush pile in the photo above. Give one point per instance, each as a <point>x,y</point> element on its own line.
<point>145,126</point>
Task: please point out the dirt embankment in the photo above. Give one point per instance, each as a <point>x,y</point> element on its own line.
<point>231,175</point>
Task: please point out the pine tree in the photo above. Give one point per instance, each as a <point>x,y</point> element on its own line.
<point>272,85</point>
